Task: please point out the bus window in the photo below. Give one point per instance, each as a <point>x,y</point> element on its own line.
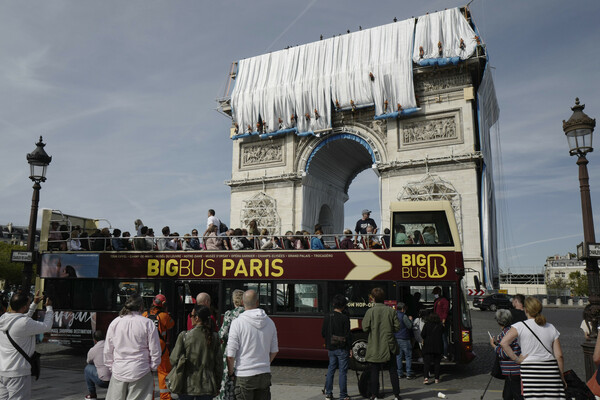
<point>427,228</point>
<point>299,297</point>
<point>262,288</point>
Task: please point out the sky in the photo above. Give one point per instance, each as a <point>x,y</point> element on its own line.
<point>124,95</point>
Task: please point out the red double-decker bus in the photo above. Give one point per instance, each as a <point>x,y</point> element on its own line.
<point>295,286</point>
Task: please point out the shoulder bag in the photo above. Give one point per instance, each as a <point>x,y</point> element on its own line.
<point>34,360</point>
<point>176,380</point>
<point>335,340</point>
<point>536,336</point>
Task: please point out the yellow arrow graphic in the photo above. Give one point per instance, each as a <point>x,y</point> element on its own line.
<point>367,266</point>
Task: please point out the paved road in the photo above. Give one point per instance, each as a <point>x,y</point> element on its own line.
<point>62,376</point>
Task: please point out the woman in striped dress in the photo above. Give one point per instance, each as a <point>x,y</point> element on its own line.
<point>541,356</point>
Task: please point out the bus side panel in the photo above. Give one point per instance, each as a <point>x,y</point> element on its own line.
<point>300,338</point>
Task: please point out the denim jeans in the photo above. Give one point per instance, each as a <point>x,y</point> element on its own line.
<point>92,380</point>
<point>337,359</point>
<point>406,351</point>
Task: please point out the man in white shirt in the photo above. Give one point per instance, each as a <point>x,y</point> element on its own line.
<point>251,348</point>
<point>15,370</point>
<point>131,352</point>
<point>213,220</point>
<point>95,372</point>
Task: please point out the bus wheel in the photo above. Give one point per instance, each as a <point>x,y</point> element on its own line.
<point>358,360</point>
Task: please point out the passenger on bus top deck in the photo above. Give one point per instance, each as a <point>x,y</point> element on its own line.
<point>288,241</point>
<point>163,241</point>
<point>347,242</point>
<point>150,241</point>
<point>195,241</point>
<point>386,237</point>
<point>372,241</point>
<point>418,237</point>
<point>138,226</point>
<point>186,245</point>
<point>401,236</point>
<point>429,235</point>
<point>213,220</point>
<point>315,242</point>
<point>366,220</point>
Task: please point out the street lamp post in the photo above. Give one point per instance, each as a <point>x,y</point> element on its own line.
<point>579,129</point>
<point>38,162</point>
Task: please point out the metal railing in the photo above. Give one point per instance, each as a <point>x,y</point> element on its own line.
<point>72,241</point>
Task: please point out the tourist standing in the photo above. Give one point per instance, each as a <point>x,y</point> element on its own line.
<point>17,324</point>
<point>336,332</point>
<point>404,336</point>
<point>517,312</point>
<point>432,333</point>
<point>381,322</point>
<point>163,322</point>
<point>203,359</point>
<point>441,306</point>
<point>251,348</point>
<point>132,351</point>
<point>510,369</point>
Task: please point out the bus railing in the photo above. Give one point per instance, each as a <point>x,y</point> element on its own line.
<point>76,242</point>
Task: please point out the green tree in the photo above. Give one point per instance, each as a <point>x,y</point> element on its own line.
<point>10,271</point>
<point>578,283</point>
<point>557,284</point>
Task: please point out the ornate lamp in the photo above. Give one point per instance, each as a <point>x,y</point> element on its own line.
<point>579,129</point>
<point>38,162</point>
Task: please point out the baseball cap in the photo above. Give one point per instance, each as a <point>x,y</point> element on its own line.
<point>365,211</point>
<point>159,300</point>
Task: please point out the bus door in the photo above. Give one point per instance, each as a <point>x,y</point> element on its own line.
<point>187,292</point>
<point>419,300</point>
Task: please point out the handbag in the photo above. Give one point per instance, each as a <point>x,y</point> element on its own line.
<point>34,360</point>
<point>593,384</point>
<point>496,369</point>
<point>176,379</point>
<point>576,388</point>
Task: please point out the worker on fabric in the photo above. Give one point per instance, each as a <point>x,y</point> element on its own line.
<point>163,322</point>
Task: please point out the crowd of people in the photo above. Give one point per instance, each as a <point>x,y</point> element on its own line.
<point>218,236</point>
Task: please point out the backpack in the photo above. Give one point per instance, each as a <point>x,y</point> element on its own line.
<point>223,227</point>
<point>154,318</point>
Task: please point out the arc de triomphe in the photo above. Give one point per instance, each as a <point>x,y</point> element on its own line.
<point>292,176</point>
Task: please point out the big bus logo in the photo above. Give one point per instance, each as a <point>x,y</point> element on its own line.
<point>423,266</point>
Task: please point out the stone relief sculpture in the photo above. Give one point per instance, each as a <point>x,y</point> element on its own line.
<point>263,209</point>
<point>263,153</point>
<point>429,130</point>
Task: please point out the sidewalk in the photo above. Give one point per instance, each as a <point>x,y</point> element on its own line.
<point>55,384</point>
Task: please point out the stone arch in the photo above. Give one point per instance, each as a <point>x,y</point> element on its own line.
<point>326,219</point>
<point>328,166</point>
<point>373,136</point>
